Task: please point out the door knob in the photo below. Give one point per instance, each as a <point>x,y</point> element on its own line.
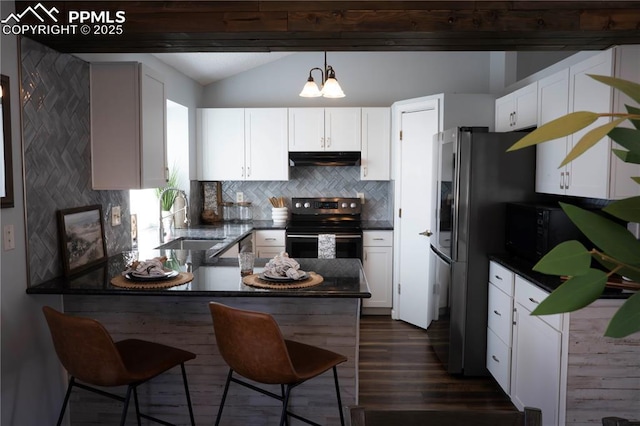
<point>426,233</point>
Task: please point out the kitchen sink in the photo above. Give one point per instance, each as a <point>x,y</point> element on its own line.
<point>194,244</point>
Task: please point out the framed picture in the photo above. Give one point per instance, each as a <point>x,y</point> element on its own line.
<point>82,241</point>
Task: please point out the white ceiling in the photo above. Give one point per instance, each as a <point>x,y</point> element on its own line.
<point>207,67</point>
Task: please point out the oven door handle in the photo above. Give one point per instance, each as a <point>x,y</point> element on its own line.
<point>338,237</point>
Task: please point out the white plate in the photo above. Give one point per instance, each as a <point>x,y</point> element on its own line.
<point>134,276</point>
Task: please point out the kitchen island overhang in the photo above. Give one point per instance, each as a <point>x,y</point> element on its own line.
<point>327,315</point>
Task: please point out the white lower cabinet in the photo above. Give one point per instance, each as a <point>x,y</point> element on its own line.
<point>378,266</point>
<point>269,243</point>
<point>526,354</point>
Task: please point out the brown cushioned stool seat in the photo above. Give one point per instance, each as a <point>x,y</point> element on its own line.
<point>89,355</point>
<point>253,346</point>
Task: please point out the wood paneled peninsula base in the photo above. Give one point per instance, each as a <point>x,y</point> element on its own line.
<point>327,315</point>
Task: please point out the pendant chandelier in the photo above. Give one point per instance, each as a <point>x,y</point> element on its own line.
<point>330,87</point>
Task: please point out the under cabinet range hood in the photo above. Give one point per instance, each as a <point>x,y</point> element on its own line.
<point>343,158</point>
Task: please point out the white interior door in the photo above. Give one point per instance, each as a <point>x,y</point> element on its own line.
<point>418,211</point>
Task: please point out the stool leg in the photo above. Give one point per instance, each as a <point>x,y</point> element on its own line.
<point>335,378</point>
<point>186,391</point>
<point>72,380</point>
<point>286,421</point>
<point>123,418</point>
<point>224,396</point>
<point>285,403</point>
<point>135,400</point>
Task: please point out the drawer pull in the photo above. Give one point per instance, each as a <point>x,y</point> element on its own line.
<point>495,358</point>
<point>378,239</point>
<point>532,300</point>
<point>497,313</point>
<point>269,239</point>
<point>498,277</point>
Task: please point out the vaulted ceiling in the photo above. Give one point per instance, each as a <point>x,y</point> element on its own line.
<point>223,26</point>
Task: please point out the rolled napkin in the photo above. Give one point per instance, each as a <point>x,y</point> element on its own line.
<point>151,267</point>
<point>283,266</point>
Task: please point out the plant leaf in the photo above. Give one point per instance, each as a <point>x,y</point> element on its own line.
<point>627,156</point>
<point>626,209</point>
<point>636,179</point>
<point>626,320</point>
<point>627,87</point>
<point>575,293</point>
<point>612,238</point>
<point>589,139</point>
<point>557,128</point>
<point>636,111</point>
<point>633,274</point>
<point>567,258</point>
<point>626,138</point>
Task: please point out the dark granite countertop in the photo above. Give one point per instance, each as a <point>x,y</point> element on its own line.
<point>213,276</point>
<point>546,282</point>
<point>377,225</point>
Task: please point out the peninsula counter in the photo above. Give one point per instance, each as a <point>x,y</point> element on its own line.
<point>326,315</point>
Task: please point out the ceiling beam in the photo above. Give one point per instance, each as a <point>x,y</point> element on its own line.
<point>186,26</point>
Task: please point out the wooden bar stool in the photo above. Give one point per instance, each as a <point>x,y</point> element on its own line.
<point>252,346</point>
<point>88,353</point>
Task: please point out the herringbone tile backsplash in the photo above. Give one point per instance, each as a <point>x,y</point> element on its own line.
<point>314,181</point>
<point>56,134</point>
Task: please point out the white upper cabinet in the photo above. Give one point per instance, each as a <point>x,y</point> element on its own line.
<point>220,143</point>
<point>324,129</point>
<point>517,110</point>
<point>266,153</point>
<point>553,102</point>
<point>376,144</point>
<point>597,173</point>
<point>128,126</point>
<point>242,144</point>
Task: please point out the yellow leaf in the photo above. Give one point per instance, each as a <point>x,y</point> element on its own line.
<point>557,128</point>
<point>629,88</point>
<point>590,138</point>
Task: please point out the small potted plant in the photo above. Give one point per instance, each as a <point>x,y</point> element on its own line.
<point>167,198</point>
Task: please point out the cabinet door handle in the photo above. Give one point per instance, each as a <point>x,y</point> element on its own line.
<point>566,184</point>
<point>515,117</point>
<point>532,300</point>
<point>495,358</point>
<point>321,142</point>
<point>242,171</point>
<point>365,171</point>
<point>248,171</point>
<point>498,277</point>
<point>497,313</point>
<point>328,142</point>
<point>561,180</point>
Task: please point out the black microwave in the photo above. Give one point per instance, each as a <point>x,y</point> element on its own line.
<point>532,230</point>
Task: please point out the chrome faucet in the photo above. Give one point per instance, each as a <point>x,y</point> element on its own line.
<point>186,209</point>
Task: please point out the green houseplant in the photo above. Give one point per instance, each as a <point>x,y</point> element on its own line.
<point>614,246</point>
<point>168,198</point>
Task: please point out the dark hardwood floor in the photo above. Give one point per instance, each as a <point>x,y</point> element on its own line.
<point>400,371</point>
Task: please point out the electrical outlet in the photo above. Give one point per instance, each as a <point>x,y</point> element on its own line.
<point>8,237</point>
<point>239,197</point>
<point>116,219</point>
<point>361,196</point>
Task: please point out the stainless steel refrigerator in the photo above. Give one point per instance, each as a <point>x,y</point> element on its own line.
<point>476,177</point>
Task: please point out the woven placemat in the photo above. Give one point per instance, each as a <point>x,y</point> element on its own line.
<point>254,280</point>
<point>182,278</point>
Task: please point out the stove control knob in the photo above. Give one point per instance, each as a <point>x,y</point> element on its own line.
<point>353,205</point>
<point>298,205</point>
<point>307,205</point>
<point>343,205</point>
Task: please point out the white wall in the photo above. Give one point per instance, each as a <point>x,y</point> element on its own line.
<point>32,379</point>
<point>368,79</point>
